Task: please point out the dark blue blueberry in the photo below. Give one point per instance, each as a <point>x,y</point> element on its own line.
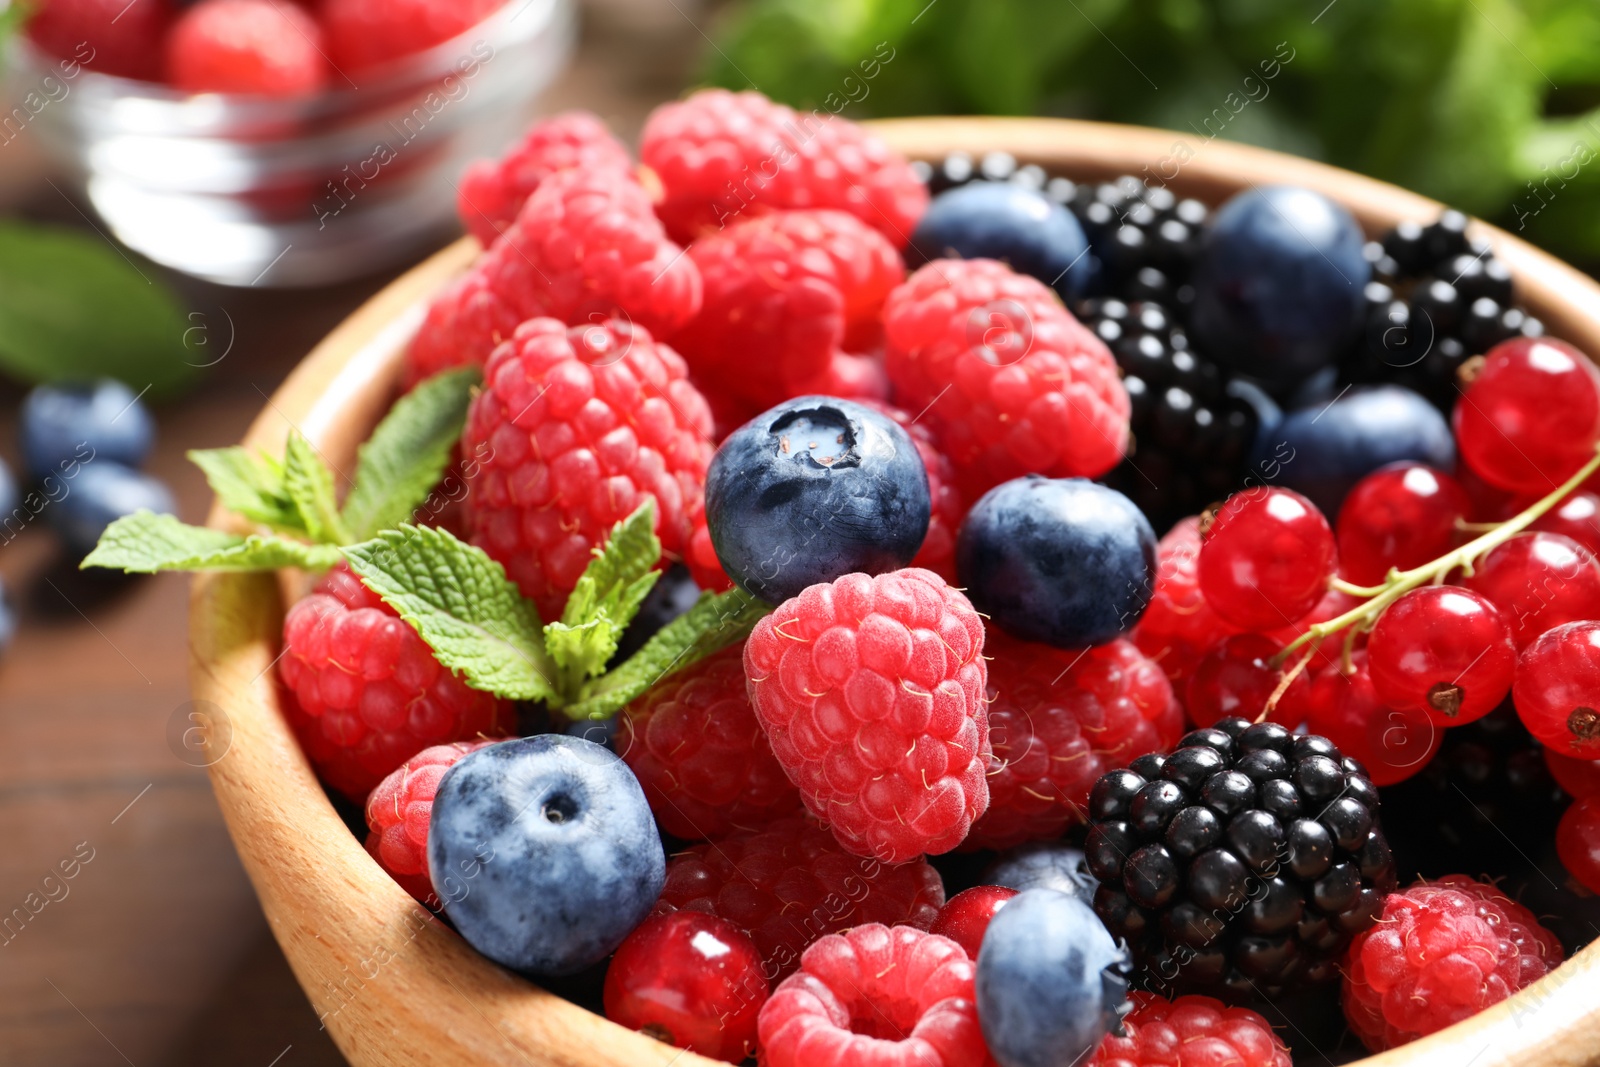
<point>1065,561</point>
<point>1325,449</point>
<point>1004,221</point>
<point>98,494</point>
<point>1051,982</point>
<point>673,594</point>
<point>1278,284</point>
<point>600,731</point>
<point>1265,409</point>
<point>8,619</point>
<point>102,421</point>
<point>811,490</point>
<point>544,852</point>
<point>9,497</point>
<point>1042,865</point>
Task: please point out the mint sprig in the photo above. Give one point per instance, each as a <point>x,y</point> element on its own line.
<point>144,543</point>
<point>308,481</point>
<point>606,598</point>
<point>249,484</point>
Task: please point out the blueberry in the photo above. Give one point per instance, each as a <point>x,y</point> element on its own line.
<point>9,498</point>
<point>1042,865</point>
<point>96,496</point>
<point>1278,284</point>
<point>673,594</point>
<point>811,490</point>
<point>1325,449</point>
<point>1051,982</point>
<point>600,731</point>
<point>1001,220</point>
<point>1063,561</point>
<point>544,852</point>
<point>8,619</point>
<point>101,421</point>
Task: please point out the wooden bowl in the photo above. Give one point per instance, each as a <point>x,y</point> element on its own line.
<point>396,987</point>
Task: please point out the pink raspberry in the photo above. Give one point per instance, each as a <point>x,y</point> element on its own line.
<point>791,883</point>
<point>1191,1031</point>
<point>262,47</point>
<point>695,746</point>
<point>399,810</point>
<point>1442,951</point>
<point>365,33</point>
<point>585,248</point>
<point>492,191</point>
<point>888,996</point>
<point>574,429</point>
<point>789,286</point>
<point>1058,720</point>
<point>1011,383</point>
<point>720,155</point>
<point>1179,627</point>
<point>368,694</point>
<point>871,690</point>
<point>111,36</point>
<point>938,551</point>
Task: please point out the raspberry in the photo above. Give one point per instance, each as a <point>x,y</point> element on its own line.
<point>111,36</point>
<point>719,154</point>
<point>871,690</point>
<point>1191,1031</point>
<point>1179,627</point>
<point>493,191</point>
<point>788,285</point>
<point>875,995</point>
<point>938,551</point>
<point>368,692</point>
<point>574,429</point>
<point>696,748</point>
<point>584,248</point>
<point>1441,952</point>
<point>1011,383</point>
<point>246,46</point>
<point>365,33</point>
<point>399,810</point>
<point>791,883</point>
<point>1058,720</point>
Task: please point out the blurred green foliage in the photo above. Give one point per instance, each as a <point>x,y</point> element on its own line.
<point>1490,105</point>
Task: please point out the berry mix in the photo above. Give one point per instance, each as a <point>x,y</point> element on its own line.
<point>751,616</point>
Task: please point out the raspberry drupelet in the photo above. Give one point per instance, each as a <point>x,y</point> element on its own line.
<point>871,690</point>
<point>400,809</point>
<point>1191,1031</point>
<point>246,46</point>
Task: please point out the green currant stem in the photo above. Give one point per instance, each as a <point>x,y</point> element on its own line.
<point>1338,584</point>
<point>1400,583</point>
<point>1284,683</point>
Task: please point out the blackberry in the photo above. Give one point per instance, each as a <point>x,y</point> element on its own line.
<point>959,168</point>
<point>1436,298</point>
<point>1242,863</point>
<point>1144,237</point>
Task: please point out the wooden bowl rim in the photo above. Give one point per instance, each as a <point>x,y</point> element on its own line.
<point>394,985</point>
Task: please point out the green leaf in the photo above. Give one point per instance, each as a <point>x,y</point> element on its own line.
<point>249,484</point>
<point>607,597</point>
<point>309,483</point>
<point>144,542</point>
<point>74,306</point>
<point>714,623</point>
<point>405,456</point>
<point>463,605</point>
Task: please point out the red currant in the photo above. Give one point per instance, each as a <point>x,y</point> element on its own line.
<point>1332,605</point>
<point>1237,679</point>
<point>1578,842</point>
<point>965,916</point>
<point>1531,417</point>
<point>1490,503</point>
<point>1579,777</point>
<point>1179,626</point>
<point>1400,516</point>
<point>1266,558</point>
<point>1557,691</point>
<point>1578,516</point>
<point>689,979</point>
<point>1443,650</point>
<point>1392,743</point>
<point>1539,581</point>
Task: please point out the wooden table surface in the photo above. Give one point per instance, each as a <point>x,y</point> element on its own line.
<point>156,952</point>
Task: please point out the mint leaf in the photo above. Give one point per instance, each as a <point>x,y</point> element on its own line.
<point>144,542</point>
<point>466,609</point>
<point>249,484</point>
<point>607,597</point>
<point>74,307</point>
<point>309,483</point>
<point>714,623</point>
<point>405,456</point>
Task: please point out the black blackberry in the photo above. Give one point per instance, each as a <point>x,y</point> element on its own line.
<point>1436,298</point>
<point>1240,864</point>
<point>1144,238</point>
<point>959,168</point>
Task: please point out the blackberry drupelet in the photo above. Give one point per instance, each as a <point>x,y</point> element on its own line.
<point>1437,297</point>
<point>1242,863</point>
<point>1144,237</point>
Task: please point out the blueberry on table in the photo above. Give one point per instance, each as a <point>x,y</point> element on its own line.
<point>1065,561</point>
<point>544,852</point>
<point>100,493</point>
<point>1279,284</point>
<point>814,489</point>
<point>1005,221</point>
<point>99,421</point>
